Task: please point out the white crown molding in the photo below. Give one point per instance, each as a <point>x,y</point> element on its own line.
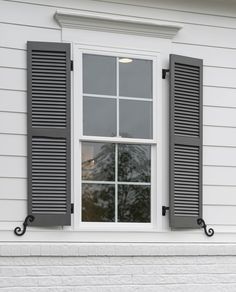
<point>117,23</point>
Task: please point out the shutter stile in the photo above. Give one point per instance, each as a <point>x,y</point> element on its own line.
<point>49,133</point>
<point>185,141</point>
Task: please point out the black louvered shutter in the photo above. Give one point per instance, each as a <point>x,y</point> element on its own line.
<point>49,197</point>
<point>185,141</point>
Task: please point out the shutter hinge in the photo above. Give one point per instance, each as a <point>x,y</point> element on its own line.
<point>164,71</point>
<point>164,209</point>
<point>72,208</point>
<point>71,65</point>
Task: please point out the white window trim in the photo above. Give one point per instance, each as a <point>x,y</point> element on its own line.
<point>77,138</point>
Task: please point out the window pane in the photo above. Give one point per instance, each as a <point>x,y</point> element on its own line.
<point>99,116</point>
<point>135,78</point>
<point>98,203</point>
<point>99,74</point>
<point>136,119</point>
<point>134,163</point>
<point>98,161</point>
<point>133,203</point>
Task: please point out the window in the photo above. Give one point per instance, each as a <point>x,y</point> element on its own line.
<point>117,137</point>
<point>116,130</point>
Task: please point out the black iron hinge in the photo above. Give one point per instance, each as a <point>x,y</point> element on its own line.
<point>72,208</point>
<point>71,65</point>
<point>164,71</point>
<point>164,209</point>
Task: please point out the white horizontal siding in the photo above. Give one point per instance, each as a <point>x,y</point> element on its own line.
<point>7,207</point>
<point>17,36</point>
<point>13,123</point>
<point>13,166</point>
<point>14,58</point>
<point>218,116</point>
<point>14,79</point>
<point>207,36</point>
<point>219,195</point>
<point>13,101</point>
<point>15,145</point>
<point>212,56</point>
<point>13,188</point>
<point>223,217</point>
<point>219,175</point>
<point>31,15</point>
<point>219,136</point>
<point>219,96</point>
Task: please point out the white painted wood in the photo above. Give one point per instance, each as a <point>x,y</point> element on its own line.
<point>13,145</point>
<point>12,58</point>
<point>211,56</point>
<point>13,79</point>
<point>216,116</point>
<point>12,210</point>
<point>219,156</point>
<point>118,24</point>
<point>13,188</point>
<point>219,176</point>
<point>13,166</point>
<point>208,36</point>
<point>220,77</point>
<point>16,36</point>
<point>220,215</point>
<point>13,101</point>
<point>13,123</point>
<point>219,136</point>
<point>206,8</point>
<point>35,15</point>
<point>219,195</point>
<point>223,97</point>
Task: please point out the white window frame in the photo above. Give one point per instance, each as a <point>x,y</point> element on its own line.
<point>78,138</point>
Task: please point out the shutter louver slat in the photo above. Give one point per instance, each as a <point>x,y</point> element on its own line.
<point>49,133</point>
<point>185,141</point>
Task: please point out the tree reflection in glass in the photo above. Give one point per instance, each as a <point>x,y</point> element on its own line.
<point>98,161</point>
<point>134,163</point>
<point>133,203</point>
<point>98,203</point>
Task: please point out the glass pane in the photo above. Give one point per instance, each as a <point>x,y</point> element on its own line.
<point>98,161</point>
<point>99,74</point>
<point>133,203</point>
<point>136,119</point>
<point>99,116</point>
<point>134,163</point>
<point>98,203</point>
<point>135,78</point>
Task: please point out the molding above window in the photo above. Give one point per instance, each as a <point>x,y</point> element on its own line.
<point>117,23</point>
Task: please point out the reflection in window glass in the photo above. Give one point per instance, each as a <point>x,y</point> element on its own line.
<point>99,74</point>
<point>98,161</point>
<point>135,78</point>
<point>99,116</point>
<point>136,119</point>
<point>134,163</point>
<point>98,203</point>
<point>133,203</point>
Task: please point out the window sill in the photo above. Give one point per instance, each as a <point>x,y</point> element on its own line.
<point>114,249</point>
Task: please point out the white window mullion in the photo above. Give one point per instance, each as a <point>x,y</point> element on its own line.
<point>116,184</point>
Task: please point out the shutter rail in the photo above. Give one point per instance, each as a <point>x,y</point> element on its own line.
<point>18,231</point>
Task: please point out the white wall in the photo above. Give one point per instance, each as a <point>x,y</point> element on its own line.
<point>208,32</point>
